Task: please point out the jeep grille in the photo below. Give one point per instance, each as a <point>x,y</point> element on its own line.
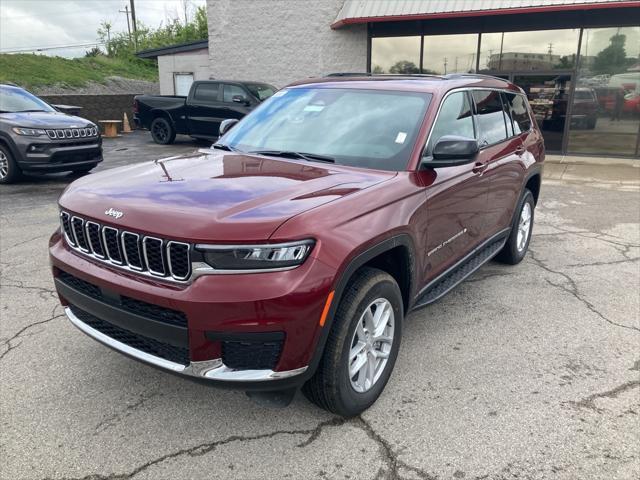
<point>132,251</point>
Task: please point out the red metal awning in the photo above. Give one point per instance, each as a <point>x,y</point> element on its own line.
<point>366,11</point>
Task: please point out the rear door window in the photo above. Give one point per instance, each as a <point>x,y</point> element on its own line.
<point>231,91</point>
<point>517,107</point>
<point>206,92</point>
<point>492,121</point>
<point>454,118</point>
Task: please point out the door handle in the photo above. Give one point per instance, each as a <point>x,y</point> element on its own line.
<point>520,150</point>
<point>479,167</point>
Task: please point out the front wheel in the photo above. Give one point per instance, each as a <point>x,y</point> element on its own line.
<point>362,347</point>
<point>518,242</point>
<point>9,170</point>
<point>162,131</point>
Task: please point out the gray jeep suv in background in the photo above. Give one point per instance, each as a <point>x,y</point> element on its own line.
<point>36,138</point>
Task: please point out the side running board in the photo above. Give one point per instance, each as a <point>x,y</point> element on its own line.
<point>445,282</point>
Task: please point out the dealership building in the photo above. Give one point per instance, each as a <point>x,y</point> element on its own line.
<point>578,61</point>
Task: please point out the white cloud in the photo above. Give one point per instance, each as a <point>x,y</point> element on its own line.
<point>45,23</point>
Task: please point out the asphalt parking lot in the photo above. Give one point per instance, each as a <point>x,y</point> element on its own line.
<point>524,372</point>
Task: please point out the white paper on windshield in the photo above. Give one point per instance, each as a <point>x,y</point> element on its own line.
<point>314,108</point>
<point>401,137</point>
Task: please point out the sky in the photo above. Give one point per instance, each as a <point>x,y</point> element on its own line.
<point>44,23</point>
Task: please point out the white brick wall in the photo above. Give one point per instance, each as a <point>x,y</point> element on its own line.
<point>279,41</point>
<point>196,62</point>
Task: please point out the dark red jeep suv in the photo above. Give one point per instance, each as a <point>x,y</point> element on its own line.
<point>289,254</point>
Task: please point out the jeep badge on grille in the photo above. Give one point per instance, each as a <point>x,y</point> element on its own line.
<point>114,213</point>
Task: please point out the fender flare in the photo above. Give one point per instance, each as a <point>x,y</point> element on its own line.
<point>399,240</point>
<point>8,141</point>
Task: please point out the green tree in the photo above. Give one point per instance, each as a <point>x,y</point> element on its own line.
<point>612,59</point>
<point>404,67</point>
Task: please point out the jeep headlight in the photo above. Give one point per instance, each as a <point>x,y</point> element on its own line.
<point>31,132</point>
<point>277,256</point>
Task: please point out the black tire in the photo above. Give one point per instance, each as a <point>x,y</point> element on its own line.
<point>9,170</point>
<point>330,387</point>
<point>162,131</point>
<point>510,253</point>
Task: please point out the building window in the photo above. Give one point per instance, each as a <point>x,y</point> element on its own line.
<point>182,83</point>
<point>450,54</point>
<point>605,113</point>
<point>543,50</point>
<point>395,55</point>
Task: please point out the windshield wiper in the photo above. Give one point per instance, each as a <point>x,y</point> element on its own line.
<point>34,110</point>
<point>296,155</point>
<point>222,146</point>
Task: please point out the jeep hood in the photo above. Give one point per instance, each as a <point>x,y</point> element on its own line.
<point>44,120</point>
<point>213,195</point>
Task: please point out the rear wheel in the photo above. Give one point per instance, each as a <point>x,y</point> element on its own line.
<point>162,131</point>
<point>9,170</point>
<point>362,347</point>
<point>518,242</point>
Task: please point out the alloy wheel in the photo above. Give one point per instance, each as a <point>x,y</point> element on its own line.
<point>160,131</point>
<point>524,226</point>
<point>4,165</point>
<point>371,345</point>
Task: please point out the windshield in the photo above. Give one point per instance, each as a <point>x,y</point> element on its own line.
<point>362,128</point>
<point>17,100</point>
<point>261,91</point>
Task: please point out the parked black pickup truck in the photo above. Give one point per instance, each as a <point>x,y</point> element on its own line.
<point>199,115</point>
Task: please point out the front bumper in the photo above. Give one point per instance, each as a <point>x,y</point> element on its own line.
<point>209,369</point>
<point>41,154</point>
<point>223,314</point>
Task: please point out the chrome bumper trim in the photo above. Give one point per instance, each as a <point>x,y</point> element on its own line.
<point>210,369</point>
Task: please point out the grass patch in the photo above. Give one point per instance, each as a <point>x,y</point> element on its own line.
<point>28,70</point>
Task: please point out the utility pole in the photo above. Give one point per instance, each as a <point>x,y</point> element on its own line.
<point>445,65</point>
<point>126,10</point>
<point>133,22</point>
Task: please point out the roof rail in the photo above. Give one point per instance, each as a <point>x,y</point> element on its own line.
<point>383,75</point>
<point>473,75</point>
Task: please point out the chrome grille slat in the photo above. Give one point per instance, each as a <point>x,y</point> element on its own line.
<point>77,227</point>
<point>145,255</point>
<point>72,133</point>
<point>131,249</point>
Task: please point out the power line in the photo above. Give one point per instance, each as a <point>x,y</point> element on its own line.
<point>50,47</point>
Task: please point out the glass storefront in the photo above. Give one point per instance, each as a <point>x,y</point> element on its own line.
<point>445,54</point>
<point>543,50</point>
<point>583,84</point>
<point>605,114</point>
<point>395,54</point>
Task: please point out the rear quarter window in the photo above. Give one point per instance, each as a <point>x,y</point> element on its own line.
<point>492,121</point>
<point>519,113</point>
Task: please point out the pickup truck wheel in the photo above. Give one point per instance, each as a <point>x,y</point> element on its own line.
<point>362,347</point>
<point>518,242</point>
<point>9,171</point>
<point>162,131</point>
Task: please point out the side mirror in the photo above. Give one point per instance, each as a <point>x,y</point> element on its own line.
<point>227,125</point>
<point>240,99</point>
<point>452,150</point>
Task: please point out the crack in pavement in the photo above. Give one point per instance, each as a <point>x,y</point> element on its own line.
<point>589,402</point>
<point>597,264</point>
<point>388,456</point>
<point>20,333</point>
<point>479,278</point>
<point>594,235</point>
<point>114,419</point>
<point>573,291</point>
<point>25,241</point>
<point>20,285</point>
